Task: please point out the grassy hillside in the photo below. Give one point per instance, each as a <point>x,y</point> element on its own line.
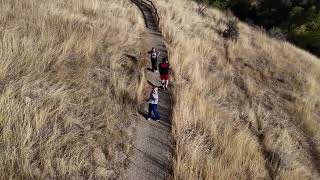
<point>243,110</point>
<point>67,87</point>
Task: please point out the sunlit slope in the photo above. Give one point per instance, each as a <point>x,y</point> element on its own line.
<point>67,87</point>
<point>243,110</point>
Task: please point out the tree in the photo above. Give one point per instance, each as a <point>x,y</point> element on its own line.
<point>232,31</point>
<point>298,20</point>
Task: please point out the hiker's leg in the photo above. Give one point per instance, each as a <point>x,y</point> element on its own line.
<point>150,111</point>
<point>167,83</point>
<point>154,64</point>
<point>163,83</point>
<point>155,112</point>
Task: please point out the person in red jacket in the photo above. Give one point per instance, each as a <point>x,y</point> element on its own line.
<point>164,69</point>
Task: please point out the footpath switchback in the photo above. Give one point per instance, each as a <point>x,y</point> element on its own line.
<point>153,145</point>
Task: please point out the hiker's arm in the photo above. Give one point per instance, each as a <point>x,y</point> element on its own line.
<point>150,98</point>
<point>153,96</point>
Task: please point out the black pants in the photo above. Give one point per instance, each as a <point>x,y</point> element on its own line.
<point>154,64</point>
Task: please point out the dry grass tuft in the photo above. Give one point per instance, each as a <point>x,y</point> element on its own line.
<point>243,110</point>
<point>68,87</point>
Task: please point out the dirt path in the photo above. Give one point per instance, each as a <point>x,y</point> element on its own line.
<point>152,156</point>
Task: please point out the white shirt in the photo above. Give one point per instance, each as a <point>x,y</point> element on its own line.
<point>154,97</point>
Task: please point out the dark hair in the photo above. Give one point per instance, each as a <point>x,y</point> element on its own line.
<point>164,59</point>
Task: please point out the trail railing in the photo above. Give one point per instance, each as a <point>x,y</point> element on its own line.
<point>153,8</point>
<point>154,11</point>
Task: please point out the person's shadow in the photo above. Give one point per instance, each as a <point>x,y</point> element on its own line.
<point>153,85</point>
<point>143,113</point>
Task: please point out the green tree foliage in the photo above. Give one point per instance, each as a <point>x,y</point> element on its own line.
<point>299,20</point>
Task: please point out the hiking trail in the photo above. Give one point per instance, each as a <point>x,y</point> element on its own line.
<point>153,145</point>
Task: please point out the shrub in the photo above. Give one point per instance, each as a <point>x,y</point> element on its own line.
<point>232,31</point>
<point>202,6</point>
<point>277,33</point>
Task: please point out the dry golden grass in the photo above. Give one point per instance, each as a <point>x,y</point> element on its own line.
<point>67,87</point>
<point>244,110</point>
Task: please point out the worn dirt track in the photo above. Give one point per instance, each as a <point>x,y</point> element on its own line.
<point>153,145</point>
